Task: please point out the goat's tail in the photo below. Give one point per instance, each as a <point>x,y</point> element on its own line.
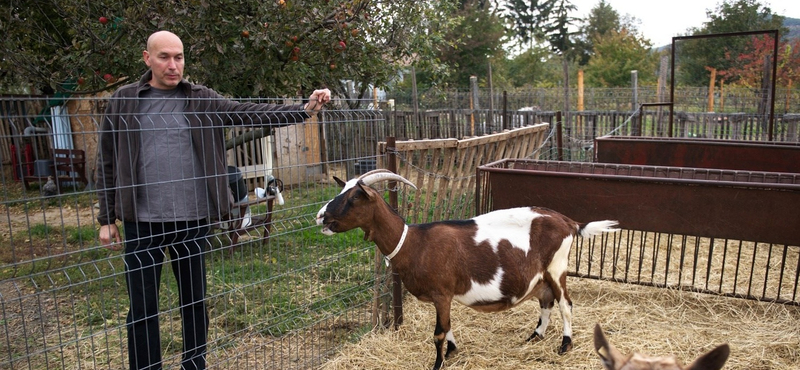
<point>597,228</point>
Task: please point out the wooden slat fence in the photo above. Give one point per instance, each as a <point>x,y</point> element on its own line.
<point>444,169</point>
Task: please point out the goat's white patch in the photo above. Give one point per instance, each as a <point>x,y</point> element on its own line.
<point>489,292</point>
<point>321,214</point>
<point>544,321</point>
<point>450,337</point>
<point>560,261</point>
<point>513,224</point>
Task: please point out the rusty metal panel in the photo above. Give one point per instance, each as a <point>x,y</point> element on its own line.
<point>700,153</point>
<point>742,205</point>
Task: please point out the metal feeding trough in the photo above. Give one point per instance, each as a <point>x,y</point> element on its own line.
<point>700,153</point>
<point>736,204</point>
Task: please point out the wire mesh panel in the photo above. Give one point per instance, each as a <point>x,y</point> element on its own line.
<point>278,293</point>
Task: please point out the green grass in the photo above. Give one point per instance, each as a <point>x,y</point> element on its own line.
<point>299,280</point>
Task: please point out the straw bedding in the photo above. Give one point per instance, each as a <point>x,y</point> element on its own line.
<point>653,321</point>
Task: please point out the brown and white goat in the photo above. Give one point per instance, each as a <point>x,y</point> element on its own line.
<point>614,360</point>
<point>490,263</point>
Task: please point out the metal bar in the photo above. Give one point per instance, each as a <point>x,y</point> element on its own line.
<point>774,80</point>
<point>397,284</point>
<point>774,33</point>
<point>689,289</point>
<point>699,153</point>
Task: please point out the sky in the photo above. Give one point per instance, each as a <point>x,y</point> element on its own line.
<point>659,21</point>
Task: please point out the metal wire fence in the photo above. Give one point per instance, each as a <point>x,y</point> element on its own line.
<point>279,293</point>
<point>687,99</point>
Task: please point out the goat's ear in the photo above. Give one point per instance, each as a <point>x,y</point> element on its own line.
<point>339,181</point>
<point>363,188</point>
<point>612,359</point>
<point>713,360</point>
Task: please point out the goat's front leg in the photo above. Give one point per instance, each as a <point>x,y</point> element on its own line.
<point>442,332</point>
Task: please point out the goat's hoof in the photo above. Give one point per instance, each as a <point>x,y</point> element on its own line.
<point>535,337</point>
<point>451,349</point>
<point>566,345</point>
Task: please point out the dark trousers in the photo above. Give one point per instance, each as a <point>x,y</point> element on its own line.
<point>146,245</point>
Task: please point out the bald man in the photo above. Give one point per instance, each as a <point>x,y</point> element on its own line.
<point>162,173</point>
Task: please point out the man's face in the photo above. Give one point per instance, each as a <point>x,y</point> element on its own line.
<point>164,56</point>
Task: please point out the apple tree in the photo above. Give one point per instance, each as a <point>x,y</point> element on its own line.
<point>237,47</point>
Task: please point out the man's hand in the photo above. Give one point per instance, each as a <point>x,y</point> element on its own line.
<point>317,100</point>
<point>109,237</point>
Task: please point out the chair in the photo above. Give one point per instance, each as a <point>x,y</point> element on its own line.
<point>68,165</point>
<point>236,223</point>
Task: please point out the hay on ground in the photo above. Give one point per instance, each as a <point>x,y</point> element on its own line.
<point>648,320</point>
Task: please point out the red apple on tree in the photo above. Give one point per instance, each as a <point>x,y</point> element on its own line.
<point>245,33</point>
<point>108,77</point>
<point>81,80</point>
<point>103,20</point>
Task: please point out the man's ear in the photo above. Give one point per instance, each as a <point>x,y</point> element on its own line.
<point>146,57</point>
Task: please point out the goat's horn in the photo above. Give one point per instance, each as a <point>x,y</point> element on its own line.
<point>370,173</point>
<point>379,175</point>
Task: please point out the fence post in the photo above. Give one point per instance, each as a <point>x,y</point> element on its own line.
<point>635,103</point>
<point>397,284</point>
<point>505,110</point>
<point>490,112</point>
<point>559,138</point>
<point>415,97</point>
<point>474,102</point>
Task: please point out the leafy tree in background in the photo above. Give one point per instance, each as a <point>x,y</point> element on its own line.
<point>749,69</point>
<point>238,47</point>
<point>557,27</point>
<point>534,67</point>
<point>616,54</point>
<point>602,19</point>
<point>693,56</point>
<point>527,18</point>
<point>475,40</point>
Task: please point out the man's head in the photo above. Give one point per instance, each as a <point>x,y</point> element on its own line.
<point>164,56</point>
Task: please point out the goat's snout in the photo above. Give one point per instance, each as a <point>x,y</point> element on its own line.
<point>326,227</point>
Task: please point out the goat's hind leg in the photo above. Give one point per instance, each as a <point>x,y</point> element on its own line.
<point>565,307</point>
<point>546,306</point>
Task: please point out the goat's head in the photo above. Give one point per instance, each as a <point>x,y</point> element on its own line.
<point>614,360</point>
<point>355,202</point>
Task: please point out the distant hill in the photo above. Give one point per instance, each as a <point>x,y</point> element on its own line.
<point>793,24</point>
